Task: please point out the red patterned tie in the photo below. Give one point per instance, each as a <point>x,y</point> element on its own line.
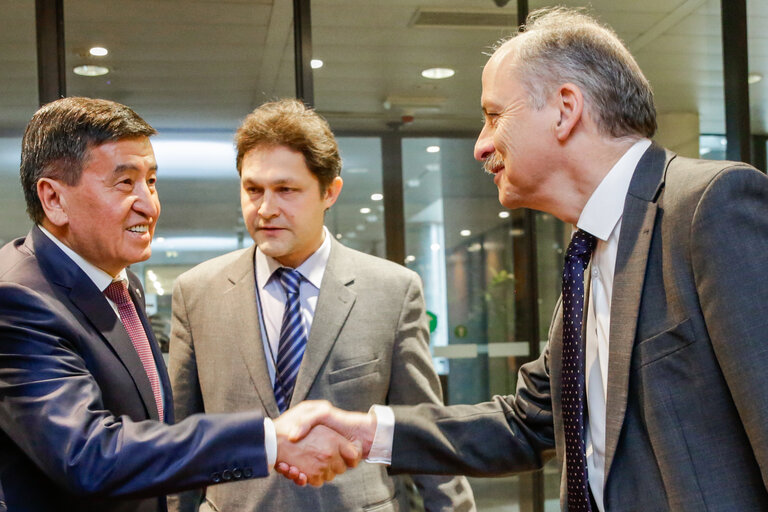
<point>117,292</point>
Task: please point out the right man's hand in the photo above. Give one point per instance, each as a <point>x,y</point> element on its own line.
<point>355,427</point>
<point>316,457</point>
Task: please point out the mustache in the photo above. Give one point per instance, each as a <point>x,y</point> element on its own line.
<point>493,162</point>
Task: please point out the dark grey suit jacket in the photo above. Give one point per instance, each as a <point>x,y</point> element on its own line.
<point>687,409</point>
<point>368,344</point>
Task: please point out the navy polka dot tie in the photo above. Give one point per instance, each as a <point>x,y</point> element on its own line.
<point>573,396</point>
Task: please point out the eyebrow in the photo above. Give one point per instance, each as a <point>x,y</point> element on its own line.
<point>128,167</point>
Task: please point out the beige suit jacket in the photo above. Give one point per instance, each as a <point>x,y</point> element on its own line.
<point>368,345</point>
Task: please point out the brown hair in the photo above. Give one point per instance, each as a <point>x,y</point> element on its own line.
<point>60,135</point>
<point>289,123</point>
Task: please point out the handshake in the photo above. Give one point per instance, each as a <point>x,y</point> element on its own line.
<point>316,441</point>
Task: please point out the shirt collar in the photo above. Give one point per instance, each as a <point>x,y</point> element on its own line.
<point>312,269</point>
<point>100,278</point>
<point>606,204</point>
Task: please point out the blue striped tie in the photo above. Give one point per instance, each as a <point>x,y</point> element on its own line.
<point>293,339</point>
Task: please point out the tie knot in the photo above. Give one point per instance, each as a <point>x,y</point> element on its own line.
<point>290,279</point>
<point>581,246</point>
<point>117,292</point>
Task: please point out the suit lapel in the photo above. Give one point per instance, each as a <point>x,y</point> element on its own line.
<point>333,306</point>
<point>638,221</point>
<point>84,295</point>
<point>242,329</point>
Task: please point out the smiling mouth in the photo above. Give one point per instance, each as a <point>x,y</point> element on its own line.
<point>141,228</point>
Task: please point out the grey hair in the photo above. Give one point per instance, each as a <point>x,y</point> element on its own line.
<point>560,45</point>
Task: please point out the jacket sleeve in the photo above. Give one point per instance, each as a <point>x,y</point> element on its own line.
<point>729,244</point>
<point>414,381</point>
<point>51,407</point>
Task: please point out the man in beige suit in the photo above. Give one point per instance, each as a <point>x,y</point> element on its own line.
<point>359,336</point>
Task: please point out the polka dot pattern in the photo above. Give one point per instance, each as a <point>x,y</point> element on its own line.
<point>573,386</point>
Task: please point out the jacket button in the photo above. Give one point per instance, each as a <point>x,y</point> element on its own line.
<point>216,477</point>
<point>247,472</point>
<point>226,475</point>
<point>237,473</point>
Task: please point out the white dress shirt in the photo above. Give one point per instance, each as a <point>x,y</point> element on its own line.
<point>270,298</point>
<point>601,217</point>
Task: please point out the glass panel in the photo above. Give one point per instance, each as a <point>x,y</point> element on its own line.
<point>18,101</point>
<point>757,17</point>
<point>472,256</point>
<point>357,218</point>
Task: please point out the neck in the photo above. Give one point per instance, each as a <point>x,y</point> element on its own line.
<point>587,167</point>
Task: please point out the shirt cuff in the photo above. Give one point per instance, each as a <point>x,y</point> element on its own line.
<point>381,449</point>
<point>270,443</point>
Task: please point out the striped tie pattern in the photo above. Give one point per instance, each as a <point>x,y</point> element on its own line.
<point>576,260</point>
<point>117,292</point>
<point>293,339</point>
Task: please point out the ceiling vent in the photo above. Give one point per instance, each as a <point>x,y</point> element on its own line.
<point>463,18</point>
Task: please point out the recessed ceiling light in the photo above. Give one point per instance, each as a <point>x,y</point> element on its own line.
<point>339,236</point>
<point>98,51</point>
<point>91,70</point>
<point>377,197</point>
<point>365,210</point>
<point>753,78</point>
<point>503,215</point>
<point>433,149</point>
<point>316,63</point>
<point>435,247</point>
<point>438,73</point>
<point>410,258</point>
<point>465,232</point>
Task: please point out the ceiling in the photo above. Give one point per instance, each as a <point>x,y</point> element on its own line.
<point>195,68</point>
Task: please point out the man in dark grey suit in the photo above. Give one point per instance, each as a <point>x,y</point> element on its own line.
<point>671,354</point>
<point>363,321</point>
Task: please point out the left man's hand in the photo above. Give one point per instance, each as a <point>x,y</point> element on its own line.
<point>316,457</point>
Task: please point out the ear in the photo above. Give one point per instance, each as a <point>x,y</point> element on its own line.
<point>570,103</point>
<point>333,191</point>
<point>50,192</point>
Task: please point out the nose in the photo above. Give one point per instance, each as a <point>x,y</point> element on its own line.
<point>147,201</point>
<point>484,144</point>
<point>268,207</point>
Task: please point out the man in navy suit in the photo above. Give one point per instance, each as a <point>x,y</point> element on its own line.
<point>85,402</point>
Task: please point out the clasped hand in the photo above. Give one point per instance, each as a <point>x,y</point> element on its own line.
<point>316,441</point>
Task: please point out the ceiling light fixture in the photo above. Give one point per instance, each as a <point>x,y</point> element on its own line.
<point>503,215</point>
<point>438,73</point>
<point>465,232</point>
<point>365,210</point>
<point>433,149</point>
<point>377,197</point>
<point>753,78</point>
<point>91,70</point>
<point>316,63</point>
<point>98,51</point>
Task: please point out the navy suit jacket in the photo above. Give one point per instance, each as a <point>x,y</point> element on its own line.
<point>75,400</point>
